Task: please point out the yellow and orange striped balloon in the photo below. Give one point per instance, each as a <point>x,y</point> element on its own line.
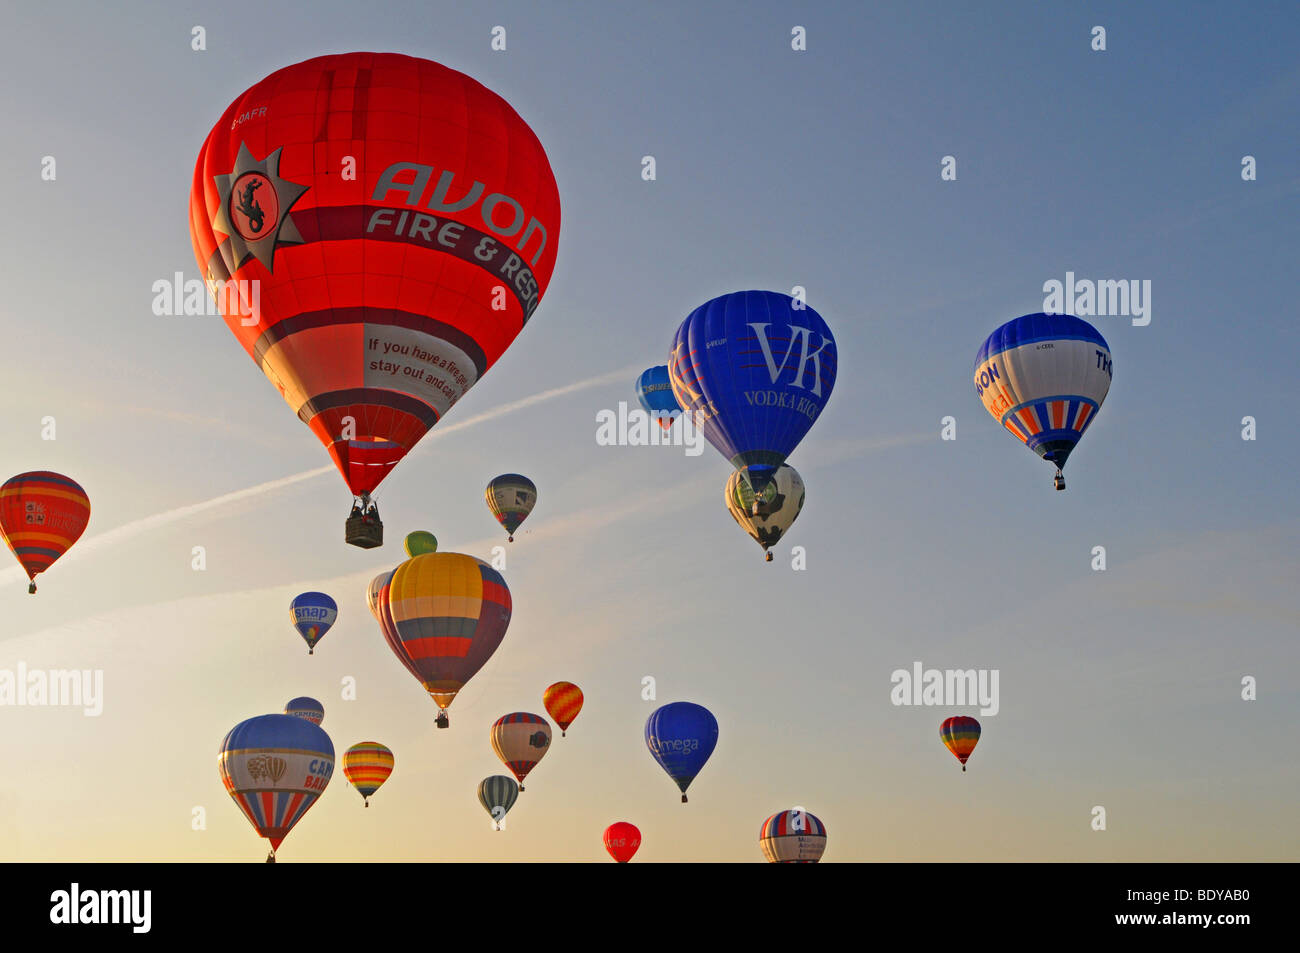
<point>41,515</point>
<point>367,765</point>
<point>563,701</point>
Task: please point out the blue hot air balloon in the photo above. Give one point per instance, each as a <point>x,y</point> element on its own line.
<point>304,706</point>
<point>754,369</point>
<point>275,767</point>
<point>313,613</point>
<point>655,393</point>
<point>1044,377</point>
<point>681,736</point>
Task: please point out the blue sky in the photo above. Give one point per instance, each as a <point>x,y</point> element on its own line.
<point>775,169</point>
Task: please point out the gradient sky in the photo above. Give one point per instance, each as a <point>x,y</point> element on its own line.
<point>775,169</point>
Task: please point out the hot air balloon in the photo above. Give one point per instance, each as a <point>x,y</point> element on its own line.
<point>511,498</point>
<point>755,370</point>
<point>443,615</point>
<point>521,739</point>
<point>622,840</point>
<point>367,765</point>
<point>376,229</point>
<point>41,515</point>
<point>498,794</point>
<point>420,543</point>
<point>960,734</point>
<point>655,393</point>
<point>1044,377</point>
<point>304,707</point>
<point>768,515</point>
<point>681,736</point>
<point>312,614</point>
<point>792,837</point>
<point>275,766</point>
<point>563,701</point>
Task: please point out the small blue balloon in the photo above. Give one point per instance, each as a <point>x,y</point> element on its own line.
<point>681,736</point>
<point>313,613</point>
<point>655,393</point>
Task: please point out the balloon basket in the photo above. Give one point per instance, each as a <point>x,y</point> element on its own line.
<point>1058,481</point>
<point>769,557</point>
<point>367,532</point>
<point>442,720</point>
<point>270,858</point>
<point>510,539</point>
<point>683,798</point>
<point>31,589</point>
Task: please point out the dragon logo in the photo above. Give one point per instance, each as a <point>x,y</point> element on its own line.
<point>254,210</point>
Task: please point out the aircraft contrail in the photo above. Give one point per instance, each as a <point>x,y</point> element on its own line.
<point>112,537</point>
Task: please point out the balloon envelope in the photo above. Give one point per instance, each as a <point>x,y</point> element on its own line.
<point>313,613</point>
<point>622,840</point>
<point>367,765</point>
<point>376,304</point>
<point>755,373</point>
<point>498,794</point>
<point>443,615</point>
<point>521,739</point>
<point>655,394</point>
<point>305,707</point>
<point>792,837</point>
<point>511,497</point>
<point>960,734</point>
<point>420,542</point>
<point>275,766</point>
<point>1044,377</point>
<point>41,515</point>
<point>563,701</point>
<point>778,505</point>
<point>681,736</point>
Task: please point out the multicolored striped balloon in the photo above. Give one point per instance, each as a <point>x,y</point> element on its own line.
<point>960,733</point>
<point>792,837</point>
<point>563,701</point>
<point>1044,377</point>
<point>521,739</point>
<point>367,765</point>
<point>305,707</point>
<point>511,498</point>
<point>41,515</point>
<point>498,794</point>
<point>275,767</point>
<point>443,615</point>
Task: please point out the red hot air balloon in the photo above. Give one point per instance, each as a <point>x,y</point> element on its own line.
<point>376,229</point>
<point>622,840</point>
<point>41,515</point>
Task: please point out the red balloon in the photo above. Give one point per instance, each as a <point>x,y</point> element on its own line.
<point>621,840</point>
<point>377,230</point>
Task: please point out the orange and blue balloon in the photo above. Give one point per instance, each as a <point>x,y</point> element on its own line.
<point>754,369</point>
<point>681,736</point>
<point>1043,377</point>
<point>960,734</point>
